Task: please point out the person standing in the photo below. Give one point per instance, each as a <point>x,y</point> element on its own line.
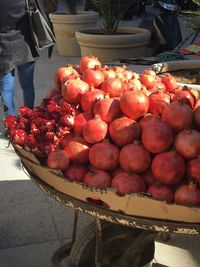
<point>17,53</point>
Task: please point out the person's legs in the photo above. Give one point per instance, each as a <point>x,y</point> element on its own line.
<point>7,84</point>
<point>25,75</point>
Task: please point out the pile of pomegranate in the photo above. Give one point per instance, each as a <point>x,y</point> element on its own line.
<point>110,127</point>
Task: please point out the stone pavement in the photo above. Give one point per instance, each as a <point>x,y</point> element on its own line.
<point>33,226</point>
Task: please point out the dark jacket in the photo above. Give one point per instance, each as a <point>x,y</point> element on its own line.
<point>16,46</point>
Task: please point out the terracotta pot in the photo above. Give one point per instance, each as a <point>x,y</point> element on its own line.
<point>128,42</point>
<point>65,25</point>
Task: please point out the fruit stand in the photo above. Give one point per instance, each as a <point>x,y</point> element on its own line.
<point>120,146</point>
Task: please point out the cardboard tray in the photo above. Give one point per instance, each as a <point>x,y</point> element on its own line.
<point>130,204</point>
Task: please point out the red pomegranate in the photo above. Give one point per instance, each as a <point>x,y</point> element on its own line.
<point>134,158</point>
<point>124,131</point>
<point>88,62</point>
<point>93,77</point>
<point>97,178</point>
<point>184,96</point>
<point>187,195</point>
<point>148,80</point>
<point>78,150</point>
<point>58,159</point>
<point>134,104</point>
<point>66,138</point>
<point>108,72</point>
<point>158,101</point>
<point>161,192</point>
<point>187,143</point>
<point>104,156</point>
<point>134,84</point>
<point>80,121</point>
<point>95,130</point>
<point>193,170</point>
<point>73,90</point>
<point>75,172</point>
<point>178,115</point>
<point>147,119</point>
<point>90,98</point>
<point>126,183</point>
<point>157,137</point>
<point>113,87</point>
<point>64,72</point>
<point>168,167</point>
<point>108,109</point>
<point>170,83</point>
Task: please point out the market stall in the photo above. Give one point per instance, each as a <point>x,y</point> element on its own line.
<point>122,147</point>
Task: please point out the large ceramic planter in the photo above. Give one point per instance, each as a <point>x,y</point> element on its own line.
<point>65,25</point>
<point>129,42</point>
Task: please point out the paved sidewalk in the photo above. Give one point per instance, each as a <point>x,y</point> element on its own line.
<point>33,226</point>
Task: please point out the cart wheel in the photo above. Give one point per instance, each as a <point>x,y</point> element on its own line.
<point>116,238</point>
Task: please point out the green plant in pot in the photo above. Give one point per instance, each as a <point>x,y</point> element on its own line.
<point>111,41</point>
<point>72,5</point>
<point>66,23</point>
<point>111,13</point>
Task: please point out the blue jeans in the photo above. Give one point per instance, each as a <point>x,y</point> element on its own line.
<point>7,85</point>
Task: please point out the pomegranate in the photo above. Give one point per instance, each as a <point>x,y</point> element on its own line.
<point>90,98</point>
<point>108,72</point>
<point>134,84</point>
<point>95,130</point>
<point>75,172</point>
<point>73,90</point>
<point>148,177</point>
<point>108,109</point>
<point>97,178</point>
<point>170,83</point>
<point>149,72</point>
<point>113,87</point>
<point>178,115</point>
<point>161,192</point>
<point>193,169</point>
<point>66,138</point>
<point>78,150</point>
<point>148,80</point>
<point>148,119</point>
<point>187,143</point>
<point>93,77</point>
<point>185,97</point>
<point>128,74</point>
<point>168,167</point>
<point>104,156</point>
<point>88,62</point>
<point>187,195</point>
<point>157,137</point>
<point>63,72</point>
<point>58,159</point>
<point>158,101</point>
<point>134,158</point>
<point>126,183</point>
<point>80,121</point>
<point>134,104</point>
<point>124,131</point>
